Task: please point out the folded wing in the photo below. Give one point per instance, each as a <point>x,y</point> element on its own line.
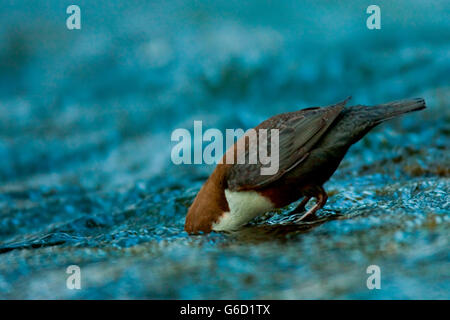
<point>298,132</point>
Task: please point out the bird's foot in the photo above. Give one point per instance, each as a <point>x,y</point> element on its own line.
<point>301,206</point>
<point>309,218</point>
<point>310,215</point>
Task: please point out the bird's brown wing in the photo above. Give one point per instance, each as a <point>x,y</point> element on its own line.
<point>298,132</point>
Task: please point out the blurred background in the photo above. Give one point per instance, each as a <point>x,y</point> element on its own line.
<point>85,123</point>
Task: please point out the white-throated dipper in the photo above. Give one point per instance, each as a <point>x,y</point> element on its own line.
<point>312,143</point>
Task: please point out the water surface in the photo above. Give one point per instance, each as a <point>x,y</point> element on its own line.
<point>86,177</point>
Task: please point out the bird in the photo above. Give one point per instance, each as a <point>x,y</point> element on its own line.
<point>312,144</point>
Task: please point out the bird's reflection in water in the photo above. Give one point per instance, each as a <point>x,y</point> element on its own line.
<point>283,230</point>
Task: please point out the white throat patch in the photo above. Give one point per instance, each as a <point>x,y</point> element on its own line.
<point>244,206</point>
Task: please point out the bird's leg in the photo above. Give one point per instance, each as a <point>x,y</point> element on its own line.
<point>301,207</point>
<point>321,197</point>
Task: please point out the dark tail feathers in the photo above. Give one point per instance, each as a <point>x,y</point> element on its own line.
<point>393,109</point>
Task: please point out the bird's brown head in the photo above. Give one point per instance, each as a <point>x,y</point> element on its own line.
<point>209,204</point>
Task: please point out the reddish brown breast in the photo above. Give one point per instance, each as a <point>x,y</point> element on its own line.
<point>281,194</point>
<point>209,204</point>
